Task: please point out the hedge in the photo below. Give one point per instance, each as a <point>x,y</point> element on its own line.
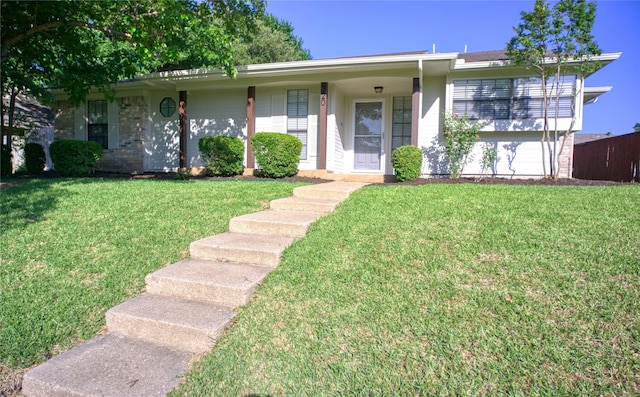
<point>277,154</point>
<point>407,161</point>
<point>35,158</point>
<point>223,155</point>
<point>74,158</point>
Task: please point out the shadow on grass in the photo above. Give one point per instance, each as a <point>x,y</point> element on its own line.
<point>24,202</point>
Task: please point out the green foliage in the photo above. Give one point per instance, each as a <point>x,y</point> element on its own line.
<point>223,155</point>
<point>6,167</point>
<point>460,136</point>
<point>273,41</point>
<point>277,154</point>
<point>636,127</point>
<point>489,157</point>
<point>35,158</point>
<point>554,40</point>
<point>407,161</point>
<point>76,45</point>
<point>74,158</point>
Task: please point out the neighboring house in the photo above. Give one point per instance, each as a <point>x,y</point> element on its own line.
<point>350,113</point>
<point>33,122</point>
<point>584,138</point>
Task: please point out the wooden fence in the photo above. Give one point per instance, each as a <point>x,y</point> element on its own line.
<point>611,159</point>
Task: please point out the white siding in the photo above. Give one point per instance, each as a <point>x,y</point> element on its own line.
<point>162,138</point>
<point>214,113</point>
<point>338,108</point>
<point>430,126</point>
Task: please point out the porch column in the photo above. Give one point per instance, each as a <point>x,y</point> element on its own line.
<point>322,144</point>
<point>251,123</point>
<point>415,111</point>
<point>182,129</point>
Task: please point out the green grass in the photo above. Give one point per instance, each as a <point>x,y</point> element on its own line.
<point>73,248</point>
<point>446,290</point>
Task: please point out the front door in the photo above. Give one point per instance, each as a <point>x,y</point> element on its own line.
<point>368,135</point>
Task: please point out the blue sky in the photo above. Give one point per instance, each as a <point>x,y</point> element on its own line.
<point>332,29</point>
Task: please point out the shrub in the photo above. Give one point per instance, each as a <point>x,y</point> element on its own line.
<point>6,168</point>
<point>277,154</point>
<point>223,155</point>
<point>74,158</point>
<point>407,161</point>
<point>460,136</point>
<point>35,158</point>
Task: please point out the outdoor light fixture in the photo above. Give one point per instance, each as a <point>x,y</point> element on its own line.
<point>378,89</point>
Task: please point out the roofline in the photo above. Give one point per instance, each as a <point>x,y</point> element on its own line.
<point>313,65</point>
<point>463,65</point>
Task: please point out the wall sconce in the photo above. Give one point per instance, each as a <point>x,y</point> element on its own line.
<point>378,89</point>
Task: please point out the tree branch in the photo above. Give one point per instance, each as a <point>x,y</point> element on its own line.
<point>8,43</point>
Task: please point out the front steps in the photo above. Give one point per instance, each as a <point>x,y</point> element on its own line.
<point>152,338</point>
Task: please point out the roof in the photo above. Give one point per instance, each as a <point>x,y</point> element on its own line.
<point>483,56</point>
<point>584,138</point>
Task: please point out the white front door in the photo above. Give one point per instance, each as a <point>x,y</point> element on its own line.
<point>369,130</point>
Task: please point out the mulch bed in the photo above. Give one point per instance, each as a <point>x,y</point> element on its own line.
<point>419,181</point>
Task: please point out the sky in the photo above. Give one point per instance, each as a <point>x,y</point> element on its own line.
<point>331,29</point>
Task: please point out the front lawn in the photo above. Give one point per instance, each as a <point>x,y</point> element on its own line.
<point>446,290</point>
<point>73,248</point>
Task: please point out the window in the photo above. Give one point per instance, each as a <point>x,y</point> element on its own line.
<point>167,107</point>
<point>297,121</point>
<point>98,128</point>
<point>512,99</point>
<point>401,124</point>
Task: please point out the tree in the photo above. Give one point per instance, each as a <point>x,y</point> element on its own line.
<point>273,41</point>
<point>554,41</point>
<point>77,45</point>
<point>636,127</point>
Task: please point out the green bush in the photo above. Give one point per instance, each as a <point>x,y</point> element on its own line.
<point>6,168</point>
<point>34,157</point>
<point>407,161</point>
<point>74,158</point>
<point>223,155</point>
<point>277,154</point>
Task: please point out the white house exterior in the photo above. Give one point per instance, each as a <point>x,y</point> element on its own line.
<point>350,113</point>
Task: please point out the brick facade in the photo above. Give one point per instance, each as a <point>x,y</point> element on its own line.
<point>565,159</point>
<point>128,154</point>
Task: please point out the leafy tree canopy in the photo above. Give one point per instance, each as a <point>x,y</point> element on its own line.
<point>273,41</point>
<point>76,45</point>
<point>636,127</point>
<point>553,40</point>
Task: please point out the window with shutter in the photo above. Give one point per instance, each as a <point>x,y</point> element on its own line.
<point>297,117</point>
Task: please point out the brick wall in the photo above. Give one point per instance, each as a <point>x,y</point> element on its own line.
<point>128,156</point>
<point>566,157</point>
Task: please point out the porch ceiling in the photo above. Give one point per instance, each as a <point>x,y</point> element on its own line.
<point>364,86</point>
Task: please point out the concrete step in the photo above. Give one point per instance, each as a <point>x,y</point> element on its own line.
<point>224,283</point>
<point>331,190</point>
<point>304,204</point>
<point>182,324</point>
<point>242,248</point>
<point>109,365</point>
<point>275,223</point>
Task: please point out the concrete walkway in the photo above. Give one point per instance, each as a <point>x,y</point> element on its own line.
<point>152,338</point>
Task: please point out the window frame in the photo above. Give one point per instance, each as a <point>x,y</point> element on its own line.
<point>98,122</point>
<point>298,117</point>
<point>512,98</point>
